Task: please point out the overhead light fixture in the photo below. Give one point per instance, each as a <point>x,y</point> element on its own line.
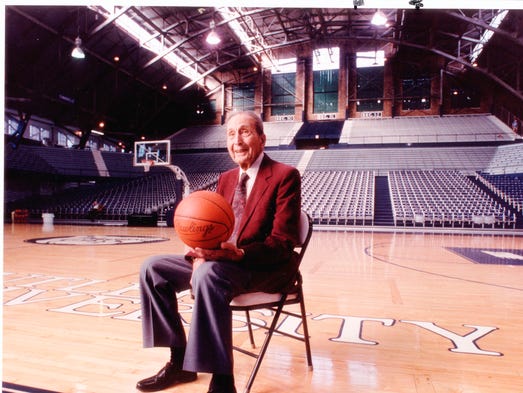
<point>416,3</point>
<point>213,38</point>
<point>379,19</point>
<point>78,52</point>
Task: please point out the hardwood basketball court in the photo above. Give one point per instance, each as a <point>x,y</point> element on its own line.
<point>389,312</point>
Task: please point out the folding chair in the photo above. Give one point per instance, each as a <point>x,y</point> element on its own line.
<point>276,302</point>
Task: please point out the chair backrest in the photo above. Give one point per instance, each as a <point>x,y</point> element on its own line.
<point>305,233</point>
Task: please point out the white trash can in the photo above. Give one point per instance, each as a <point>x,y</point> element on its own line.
<point>48,218</point>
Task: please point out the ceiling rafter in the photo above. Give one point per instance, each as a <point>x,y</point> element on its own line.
<point>272,33</point>
<point>480,24</point>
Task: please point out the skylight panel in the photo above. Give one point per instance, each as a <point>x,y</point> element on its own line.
<point>284,66</point>
<point>326,59</point>
<point>370,59</point>
<point>253,40</point>
<point>153,44</point>
<point>487,35</point>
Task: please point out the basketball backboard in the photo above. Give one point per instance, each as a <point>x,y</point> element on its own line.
<point>147,153</point>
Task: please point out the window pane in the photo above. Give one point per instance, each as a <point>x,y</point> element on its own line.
<point>416,93</point>
<point>243,97</point>
<point>464,97</point>
<point>34,133</point>
<point>325,91</point>
<point>62,139</point>
<point>326,81</point>
<point>370,89</point>
<point>12,126</point>
<point>283,90</point>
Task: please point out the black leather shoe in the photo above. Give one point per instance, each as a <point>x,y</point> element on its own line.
<point>221,386</point>
<point>166,377</point>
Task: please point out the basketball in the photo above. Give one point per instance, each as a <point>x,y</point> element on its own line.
<point>204,219</point>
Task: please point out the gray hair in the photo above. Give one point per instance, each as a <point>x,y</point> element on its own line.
<point>258,122</point>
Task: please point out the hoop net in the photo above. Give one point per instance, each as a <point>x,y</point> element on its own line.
<point>147,164</point>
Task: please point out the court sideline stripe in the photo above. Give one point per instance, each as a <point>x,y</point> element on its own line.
<point>369,252</point>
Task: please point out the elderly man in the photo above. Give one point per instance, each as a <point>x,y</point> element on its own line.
<point>258,257</point>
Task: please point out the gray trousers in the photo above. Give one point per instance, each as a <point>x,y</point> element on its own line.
<point>214,284</point>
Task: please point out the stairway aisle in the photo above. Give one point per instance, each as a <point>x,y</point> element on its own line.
<point>382,204</point>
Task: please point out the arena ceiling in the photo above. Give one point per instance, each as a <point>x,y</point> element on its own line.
<point>152,84</point>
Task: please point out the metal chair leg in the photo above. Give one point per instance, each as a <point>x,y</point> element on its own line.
<point>263,348</point>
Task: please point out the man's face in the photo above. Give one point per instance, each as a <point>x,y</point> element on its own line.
<point>243,142</point>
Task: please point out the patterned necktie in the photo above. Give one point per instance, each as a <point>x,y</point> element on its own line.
<point>238,203</point>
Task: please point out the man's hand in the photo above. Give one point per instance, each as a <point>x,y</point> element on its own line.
<point>227,252</point>
<point>196,263</point>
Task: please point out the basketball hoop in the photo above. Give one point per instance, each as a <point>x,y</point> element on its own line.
<point>147,165</point>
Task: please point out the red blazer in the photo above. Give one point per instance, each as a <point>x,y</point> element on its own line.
<point>269,229</point>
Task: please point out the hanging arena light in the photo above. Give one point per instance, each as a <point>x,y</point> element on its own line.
<point>78,52</point>
<point>213,38</point>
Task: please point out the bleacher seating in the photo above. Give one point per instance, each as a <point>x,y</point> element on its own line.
<point>121,164</point>
<point>203,180</point>
<point>281,132</point>
<point>507,187</point>
<point>429,186</point>
<point>339,197</point>
<point>289,157</point>
<point>443,198</point>
<point>203,162</point>
<point>507,159</point>
<point>68,162</point>
<point>203,169</point>
<point>469,159</point>
<point>26,159</point>
<point>199,137</point>
<point>426,129</point>
<point>152,193</point>
<point>213,136</point>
